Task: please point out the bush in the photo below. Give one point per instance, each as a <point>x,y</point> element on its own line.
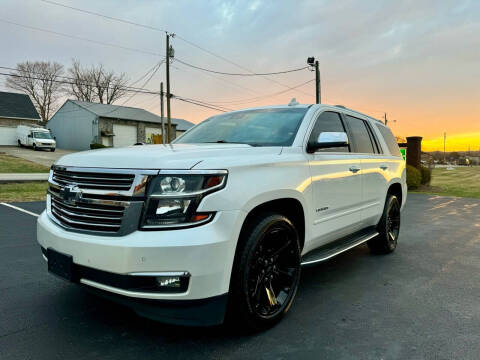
<point>414,177</point>
<point>426,175</point>
<point>96,146</point>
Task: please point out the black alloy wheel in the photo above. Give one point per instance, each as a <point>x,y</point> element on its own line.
<point>388,228</point>
<point>266,272</point>
<point>392,222</point>
<point>273,270</point>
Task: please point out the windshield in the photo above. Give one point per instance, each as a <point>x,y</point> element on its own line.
<point>263,127</point>
<point>42,135</point>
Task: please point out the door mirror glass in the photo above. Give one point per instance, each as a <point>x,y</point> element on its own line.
<point>326,139</point>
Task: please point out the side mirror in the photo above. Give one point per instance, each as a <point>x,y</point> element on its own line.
<point>328,140</point>
<point>29,135</point>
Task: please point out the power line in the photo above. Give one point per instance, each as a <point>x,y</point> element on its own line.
<point>103,16</point>
<point>195,103</point>
<point>162,30</point>
<point>80,38</point>
<point>208,103</point>
<point>146,82</point>
<point>192,101</point>
<point>225,81</point>
<point>258,98</point>
<point>73,83</point>
<point>240,74</point>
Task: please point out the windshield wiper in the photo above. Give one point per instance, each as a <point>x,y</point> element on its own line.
<point>224,142</point>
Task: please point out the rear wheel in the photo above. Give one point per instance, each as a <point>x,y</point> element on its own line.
<point>388,228</point>
<point>19,143</point>
<point>52,150</point>
<point>266,273</point>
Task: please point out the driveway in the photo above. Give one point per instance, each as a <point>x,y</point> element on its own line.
<point>43,157</point>
<point>422,302</point>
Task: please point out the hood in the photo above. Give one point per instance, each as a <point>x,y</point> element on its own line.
<point>172,156</point>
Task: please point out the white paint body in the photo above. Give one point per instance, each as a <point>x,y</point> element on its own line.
<point>255,175</point>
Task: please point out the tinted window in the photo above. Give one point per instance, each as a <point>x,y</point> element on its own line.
<point>264,127</point>
<point>360,134</point>
<point>390,140</point>
<point>328,122</point>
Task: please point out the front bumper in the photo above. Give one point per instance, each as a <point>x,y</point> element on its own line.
<point>205,252</point>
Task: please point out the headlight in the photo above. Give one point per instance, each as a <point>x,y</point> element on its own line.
<point>173,198</point>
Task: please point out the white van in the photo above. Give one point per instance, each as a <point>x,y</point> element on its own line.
<point>36,137</point>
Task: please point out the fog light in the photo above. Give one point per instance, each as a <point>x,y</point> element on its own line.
<point>168,281</point>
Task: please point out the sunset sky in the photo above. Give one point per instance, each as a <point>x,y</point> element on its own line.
<point>418,61</point>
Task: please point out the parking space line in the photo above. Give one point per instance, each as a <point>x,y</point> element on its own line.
<point>20,209</point>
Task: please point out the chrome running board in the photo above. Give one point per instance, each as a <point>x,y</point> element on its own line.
<point>337,247</point>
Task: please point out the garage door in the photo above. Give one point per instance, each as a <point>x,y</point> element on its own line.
<point>8,135</point>
<point>125,135</point>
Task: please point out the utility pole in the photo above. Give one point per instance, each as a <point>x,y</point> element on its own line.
<point>167,62</point>
<point>444,140</point>
<point>318,95</point>
<point>314,66</point>
<point>161,112</point>
<point>385,118</point>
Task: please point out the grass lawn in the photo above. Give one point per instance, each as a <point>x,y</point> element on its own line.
<point>462,181</point>
<point>29,191</point>
<point>11,164</point>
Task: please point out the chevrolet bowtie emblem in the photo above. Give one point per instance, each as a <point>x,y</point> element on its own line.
<point>71,194</point>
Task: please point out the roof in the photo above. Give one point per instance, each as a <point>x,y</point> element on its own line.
<point>128,113</point>
<point>14,105</point>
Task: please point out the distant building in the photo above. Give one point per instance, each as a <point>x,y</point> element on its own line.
<point>15,109</point>
<point>77,124</point>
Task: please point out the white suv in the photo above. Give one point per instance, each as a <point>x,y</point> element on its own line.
<point>218,224</point>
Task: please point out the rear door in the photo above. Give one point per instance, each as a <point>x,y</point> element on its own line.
<point>337,190</point>
<point>374,172</point>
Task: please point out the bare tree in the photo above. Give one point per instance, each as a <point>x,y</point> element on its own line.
<point>96,84</point>
<point>82,86</point>
<point>40,80</point>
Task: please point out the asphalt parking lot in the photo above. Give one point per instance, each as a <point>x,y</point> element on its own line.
<point>42,156</point>
<point>422,302</point>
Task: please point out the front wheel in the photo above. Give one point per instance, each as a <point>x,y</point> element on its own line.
<point>388,228</point>
<point>52,150</point>
<point>34,147</point>
<point>266,272</point>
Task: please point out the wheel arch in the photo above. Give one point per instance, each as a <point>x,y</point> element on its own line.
<point>289,206</point>
<point>396,189</point>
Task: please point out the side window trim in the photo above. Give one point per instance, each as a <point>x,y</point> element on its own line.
<point>378,149</point>
<point>345,128</point>
<point>352,138</point>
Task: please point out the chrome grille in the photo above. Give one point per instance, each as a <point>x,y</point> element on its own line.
<point>85,216</point>
<point>93,180</point>
<point>97,200</point>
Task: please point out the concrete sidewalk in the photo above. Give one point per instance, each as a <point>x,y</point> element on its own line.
<point>22,177</point>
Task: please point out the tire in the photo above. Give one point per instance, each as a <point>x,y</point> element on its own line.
<point>19,143</point>
<point>388,228</point>
<point>266,273</point>
<point>52,150</point>
<point>34,147</point>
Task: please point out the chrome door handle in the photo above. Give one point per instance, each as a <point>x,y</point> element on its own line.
<point>383,167</point>
<point>354,169</point>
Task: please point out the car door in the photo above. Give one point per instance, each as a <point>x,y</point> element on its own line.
<point>337,191</point>
<point>374,169</point>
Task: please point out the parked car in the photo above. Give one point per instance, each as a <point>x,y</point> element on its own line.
<point>35,137</point>
<point>217,225</point>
